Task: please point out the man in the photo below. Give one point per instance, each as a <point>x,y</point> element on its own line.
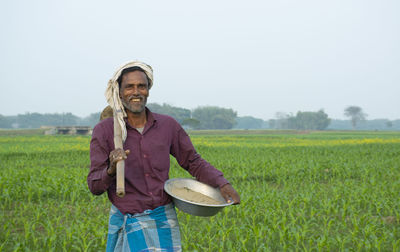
<point>145,218</point>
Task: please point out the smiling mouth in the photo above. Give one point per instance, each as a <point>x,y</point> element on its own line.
<point>135,100</point>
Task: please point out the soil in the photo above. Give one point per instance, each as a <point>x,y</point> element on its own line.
<point>196,197</point>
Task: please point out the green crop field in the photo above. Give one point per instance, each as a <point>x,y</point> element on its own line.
<point>308,191</point>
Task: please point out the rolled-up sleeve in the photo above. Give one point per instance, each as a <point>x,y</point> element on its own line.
<point>187,157</point>
<point>98,180</point>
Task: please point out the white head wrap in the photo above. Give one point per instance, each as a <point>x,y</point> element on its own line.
<point>112,92</point>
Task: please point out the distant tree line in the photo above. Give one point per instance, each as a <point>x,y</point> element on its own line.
<point>375,124</point>
<point>211,117</point>
<point>180,114</point>
<point>301,121</point>
<point>36,120</point>
<point>207,117</point>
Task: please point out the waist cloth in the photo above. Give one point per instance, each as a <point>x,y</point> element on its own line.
<point>152,230</point>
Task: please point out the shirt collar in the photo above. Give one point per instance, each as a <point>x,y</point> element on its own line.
<point>150,120</point>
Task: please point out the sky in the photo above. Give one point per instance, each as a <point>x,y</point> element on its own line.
<point>257,57</point>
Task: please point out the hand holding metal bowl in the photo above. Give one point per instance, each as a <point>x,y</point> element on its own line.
<point>210,205</point>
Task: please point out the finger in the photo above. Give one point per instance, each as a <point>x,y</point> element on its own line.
<point>121,157</point>
<point>230,198</point>
<point>226,196</point>
<point>236,201</point>
<point>232,195</point>
<point>114,153</point>
<point>125,154</point>
<point>118,155</point>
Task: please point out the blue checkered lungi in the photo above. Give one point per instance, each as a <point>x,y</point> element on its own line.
<point>152,230</point>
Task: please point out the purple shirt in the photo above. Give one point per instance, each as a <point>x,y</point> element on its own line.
<point>147,166</point>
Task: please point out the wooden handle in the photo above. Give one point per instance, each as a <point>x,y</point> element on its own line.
<point>121,178</point>
<point>120,164</point>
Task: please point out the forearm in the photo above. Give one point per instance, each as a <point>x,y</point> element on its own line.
<point>206,173</point>
<point>189,159</point>
<point>98,180</point>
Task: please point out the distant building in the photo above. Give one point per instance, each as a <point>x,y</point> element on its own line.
<point>69,130</point>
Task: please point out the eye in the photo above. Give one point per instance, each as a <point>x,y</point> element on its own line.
<point>128,87</point>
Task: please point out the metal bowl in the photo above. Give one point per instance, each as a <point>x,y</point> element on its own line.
<point>192,207</point>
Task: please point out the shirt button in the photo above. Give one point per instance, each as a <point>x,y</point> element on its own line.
<point>144,155</point>
<point>150,193</point>
<point>146,174</point>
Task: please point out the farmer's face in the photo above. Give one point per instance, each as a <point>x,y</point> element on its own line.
<point>134,91</point>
